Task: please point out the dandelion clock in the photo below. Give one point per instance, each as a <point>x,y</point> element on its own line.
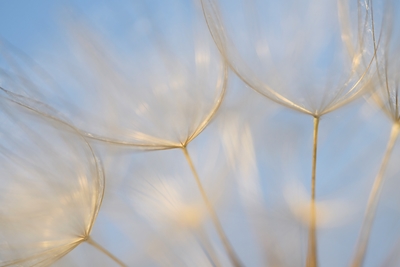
<point>150,81</point>
<point>51,187</point>
<point>385,86</point>
<point>309,56</point>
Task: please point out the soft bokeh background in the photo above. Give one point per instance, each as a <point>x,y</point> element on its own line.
<point>254,158</point>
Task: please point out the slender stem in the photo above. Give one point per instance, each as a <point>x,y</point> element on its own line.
<point>207,247</point>
<point>105,251</point>
<point>312,260</point>
<point>373,201</point>
<point>217,224</point>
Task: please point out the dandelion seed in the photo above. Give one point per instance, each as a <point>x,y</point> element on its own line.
<point>156,92</point>
<point>302,60</point>
<point>51,190</point>
<point>385,93</point>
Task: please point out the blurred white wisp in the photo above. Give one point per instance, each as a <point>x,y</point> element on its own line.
<point>152,80</point>
<point>330,213</point>
<point>51,187</point>
<point>273,228</point>
<point>239,149</point>
<point>162,199</point>
<point>170,203</point>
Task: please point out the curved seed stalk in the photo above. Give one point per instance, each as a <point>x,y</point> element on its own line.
<point>217,224</point>
<point>365,232</point>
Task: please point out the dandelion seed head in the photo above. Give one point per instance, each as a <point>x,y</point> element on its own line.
<point>164,87</point>
<point>50,189</point>
<point>166,200</point>
<point>285,52</point>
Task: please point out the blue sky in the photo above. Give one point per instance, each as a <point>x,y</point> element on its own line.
<point>352,139</point>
